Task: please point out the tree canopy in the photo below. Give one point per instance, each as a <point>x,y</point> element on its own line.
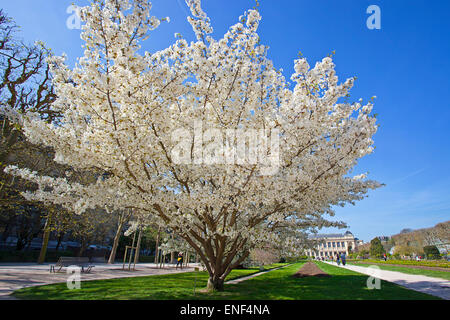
<point>207,137</point>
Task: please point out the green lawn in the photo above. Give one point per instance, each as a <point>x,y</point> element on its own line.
<point>424,272</point>
<point>274,285</point>
<point>427,263</point>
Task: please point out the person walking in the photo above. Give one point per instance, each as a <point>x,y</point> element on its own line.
<point>338,261</point>
<point>343,258</point>
<point>179,261</point>
<point>384,257</point>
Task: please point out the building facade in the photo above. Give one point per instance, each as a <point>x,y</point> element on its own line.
<point>329,245</point>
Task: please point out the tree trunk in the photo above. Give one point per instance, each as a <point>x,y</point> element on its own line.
<point>112,256</point>
<point>187,258</point>
<point>9,226</point>
<point>45,238</point>
<point>219,270</point>
<point>215,284</point>
<point>82,248</point>
<point>138,247</point>
<point>21,243</point>
<point>60,237</point>
<point>157,246</point>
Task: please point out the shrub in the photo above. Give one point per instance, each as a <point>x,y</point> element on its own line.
<point>32,255</point>
<point>432,252</point>
<point>376,248</point>
<point>261,257</point>
<point>146,259</point>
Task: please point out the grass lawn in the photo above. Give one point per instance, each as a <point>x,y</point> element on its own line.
<point>424,272</point>
<point>426,263</point>
<point>274,285</point>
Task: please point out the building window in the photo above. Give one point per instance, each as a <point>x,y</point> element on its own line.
<point>334,244</point>
<point>329,244</point>
<point>338,244</point>
<point>343,244</point>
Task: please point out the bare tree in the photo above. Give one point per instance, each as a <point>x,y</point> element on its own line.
<point>25,85</point>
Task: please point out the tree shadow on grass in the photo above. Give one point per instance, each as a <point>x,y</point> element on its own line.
<point>342,285</point>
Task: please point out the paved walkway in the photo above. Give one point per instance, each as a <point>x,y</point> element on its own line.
<point>434,286</point>
<point>254,275</point>
<point>14,276</point>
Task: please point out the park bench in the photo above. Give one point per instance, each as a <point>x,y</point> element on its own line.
<point>82,262</point>
<point>98,260</point>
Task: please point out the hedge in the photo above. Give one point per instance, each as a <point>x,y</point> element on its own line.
<point>32,255</point>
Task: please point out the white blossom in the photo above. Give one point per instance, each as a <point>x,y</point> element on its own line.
<point>120,108</point>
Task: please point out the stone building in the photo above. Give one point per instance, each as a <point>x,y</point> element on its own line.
<point>328,245</point>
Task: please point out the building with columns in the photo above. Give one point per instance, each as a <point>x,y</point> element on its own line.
<point>328,245</point>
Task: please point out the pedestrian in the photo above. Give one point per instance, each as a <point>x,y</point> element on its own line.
<point>338,261</point>
<point>343,258</point>
<point>384,257</point>
<point>180,261</point>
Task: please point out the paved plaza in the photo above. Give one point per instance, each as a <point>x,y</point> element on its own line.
<point>14,276</point>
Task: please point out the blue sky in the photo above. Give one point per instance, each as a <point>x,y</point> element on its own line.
<point>405,64</point>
